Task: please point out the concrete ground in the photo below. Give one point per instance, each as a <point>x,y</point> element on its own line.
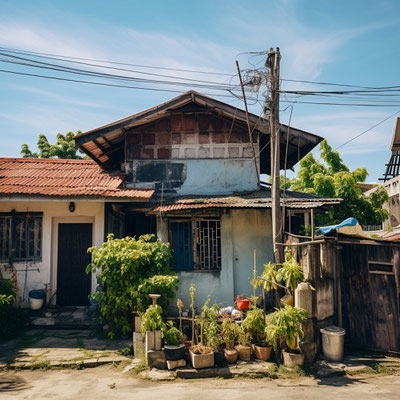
<point>108,382</point>
<point>45,348</point>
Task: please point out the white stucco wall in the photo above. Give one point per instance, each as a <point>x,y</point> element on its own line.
<point>242,231</point>
<point>38,275</point>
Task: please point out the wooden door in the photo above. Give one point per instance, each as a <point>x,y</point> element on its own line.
<point>73,284</point>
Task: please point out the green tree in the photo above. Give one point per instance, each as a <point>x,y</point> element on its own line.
<point>330,177</point>
<point>63,148</point>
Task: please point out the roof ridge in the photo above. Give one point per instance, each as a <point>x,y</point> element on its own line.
<point>48,160</point>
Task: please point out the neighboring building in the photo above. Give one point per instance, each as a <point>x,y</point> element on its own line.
<point>184,170</point>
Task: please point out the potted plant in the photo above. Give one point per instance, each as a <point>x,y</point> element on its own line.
<point>285,325</point>
<point>242,302</point>
<point>174,347</point>
<point>201,356</point>
<point>243,347</point>
<point>212,332</point>
<point>230,333</point>
<point>152,325</point>
<point>254,326</point>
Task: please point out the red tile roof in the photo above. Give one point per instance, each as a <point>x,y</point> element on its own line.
<point>66,178</point>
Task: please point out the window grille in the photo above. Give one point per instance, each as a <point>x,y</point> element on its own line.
<point>20,236</point>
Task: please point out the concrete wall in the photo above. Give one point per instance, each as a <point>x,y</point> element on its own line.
<point>242,231</point>
<point>38,275</point>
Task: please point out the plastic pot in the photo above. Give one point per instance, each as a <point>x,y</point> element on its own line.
<point>242,304</point>
<point>173,353</point>
<point>36,299</point>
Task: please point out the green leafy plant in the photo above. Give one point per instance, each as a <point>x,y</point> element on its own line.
<point>290,272</point>
<point>285,324</point>
<point>192,293</point>
<point>123,265</point>
<point>164,285</point>
<point>179,304</point>
<point>211,327</point>
<point>230,333</point>
<point>172,336</point>
<point>254,325</point>
<point>268,277</point>
<point>152,320</point>
<point>244,337</point>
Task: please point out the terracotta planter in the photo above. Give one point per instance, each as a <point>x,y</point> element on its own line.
<point>290,360</point>
<point>202,360</point>
<point>262,352</point>
<point>173,353</point>
<point>231,356</point>
<point>242,304</point>
<point>244,352</point>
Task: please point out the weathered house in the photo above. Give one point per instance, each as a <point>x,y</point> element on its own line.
<point>186,170</point>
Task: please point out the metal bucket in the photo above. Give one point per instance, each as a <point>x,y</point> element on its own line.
<point>333,342</point>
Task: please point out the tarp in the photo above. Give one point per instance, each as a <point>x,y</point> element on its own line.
<point>349,226</point>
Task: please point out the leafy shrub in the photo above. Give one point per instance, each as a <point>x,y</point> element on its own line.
<point>254,325</point>
<point>165,285</point>
<point>211,327</point>
<point>152,320</point>
<point>124,264</point>
<point>12,320</point>
<point>172,336</point>
<point>230,333</point>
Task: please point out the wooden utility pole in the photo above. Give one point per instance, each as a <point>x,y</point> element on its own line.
<point>273,64</point>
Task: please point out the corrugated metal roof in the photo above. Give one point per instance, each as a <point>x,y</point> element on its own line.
<point>258,199</point>
<point>67,178</point>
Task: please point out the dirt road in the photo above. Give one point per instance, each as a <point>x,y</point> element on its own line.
<point>108,383</point>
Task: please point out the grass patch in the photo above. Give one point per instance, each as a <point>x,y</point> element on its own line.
<point>43,365</point>
<point>127,351</point>
<point>138,368</point>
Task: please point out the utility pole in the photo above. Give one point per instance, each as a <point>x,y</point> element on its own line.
<point>272,104</point>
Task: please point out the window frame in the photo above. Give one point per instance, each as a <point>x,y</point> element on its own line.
<point>195,221</point>
<point>12,239</point>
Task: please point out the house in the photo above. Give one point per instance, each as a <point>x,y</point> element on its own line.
<point>186,170</point>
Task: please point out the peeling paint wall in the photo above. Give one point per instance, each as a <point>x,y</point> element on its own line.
<point>194,152</point>
<point>242,231</point>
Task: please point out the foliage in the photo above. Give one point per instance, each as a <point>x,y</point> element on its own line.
<point>290,272</point>
<point>285,324</point>
<point>332,178</point>
<point>124,264</point>
<point>254,325</point>
<point>152,320</point>
<point>211,327</point>
<point>12,320</point>
<point>165,285</point>
<point>230,333</point>
<point>172,336</point>
<point>179,304</point>
<point>63,148</point>
<point>244,337</point>
<point>192,293</point>
<point>201,349</point>
<point>268,277</point>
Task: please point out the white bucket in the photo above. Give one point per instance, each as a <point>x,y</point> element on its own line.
<point>35,304</point>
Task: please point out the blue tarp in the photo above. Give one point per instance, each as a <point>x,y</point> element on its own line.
<point>347,222</point>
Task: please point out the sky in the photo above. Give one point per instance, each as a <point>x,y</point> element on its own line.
<point>352,42</point>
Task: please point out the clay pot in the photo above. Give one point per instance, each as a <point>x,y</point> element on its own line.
<point>293,358</point>
<point>244,352</point>
<point>231,356</point>
<point>262,352</point>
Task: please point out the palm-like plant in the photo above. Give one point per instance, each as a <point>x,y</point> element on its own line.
<point>290,272</point>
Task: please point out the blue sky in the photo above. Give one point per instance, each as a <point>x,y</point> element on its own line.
<point>354,42</point>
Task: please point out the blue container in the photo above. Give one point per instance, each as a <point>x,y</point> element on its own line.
<point>37,294</point>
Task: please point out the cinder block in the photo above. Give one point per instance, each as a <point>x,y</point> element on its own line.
<point>324,301</point>
<point>156,359</point>
<point>176,364</point>
<point>138,345</point>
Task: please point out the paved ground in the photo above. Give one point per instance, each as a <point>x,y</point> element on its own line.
<point>40,348</point>
<point>110,383</point>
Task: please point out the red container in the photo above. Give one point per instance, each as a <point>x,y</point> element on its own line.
<point>242,304</point>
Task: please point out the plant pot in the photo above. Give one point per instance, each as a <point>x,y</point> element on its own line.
<point>242,304</point>
<point>174,353</point>
<point>293,358</point>
<point>287,299</point>
<point>219,358</point>
<point>231,356</point>
<point>202,360</point>
<point>244,352</point>
<point>262,352</point>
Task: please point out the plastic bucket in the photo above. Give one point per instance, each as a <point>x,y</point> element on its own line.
<point>333,342</point>
<point>36,299</point>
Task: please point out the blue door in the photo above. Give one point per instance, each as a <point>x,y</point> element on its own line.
<point>181,243</point>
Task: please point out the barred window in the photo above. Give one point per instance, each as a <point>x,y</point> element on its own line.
<point>20,236</point>
<point>196,243</point>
